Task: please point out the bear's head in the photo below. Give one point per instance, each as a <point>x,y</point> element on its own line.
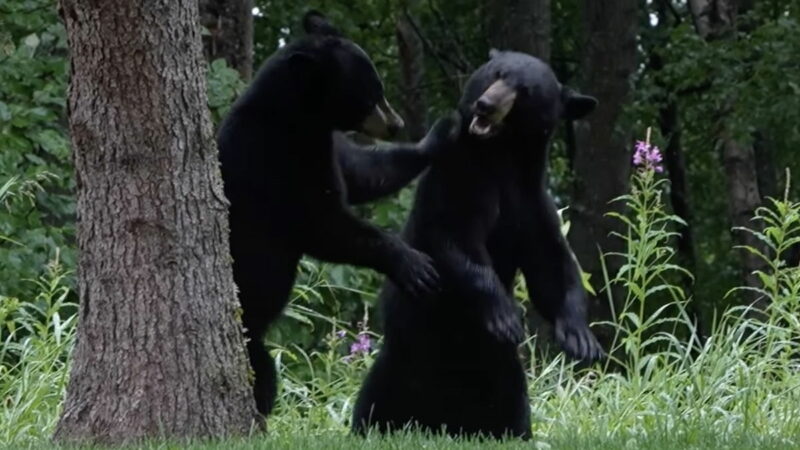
<point>519,92</point>
<point>343,80</point>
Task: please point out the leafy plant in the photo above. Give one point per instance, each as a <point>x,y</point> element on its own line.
<point>33,142</point>
<point>224,87</point>
<point>36,336</point>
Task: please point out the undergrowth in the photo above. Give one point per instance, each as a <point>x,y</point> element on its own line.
<point>664,385</point>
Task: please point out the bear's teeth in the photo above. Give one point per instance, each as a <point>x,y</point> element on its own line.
<point>480,126</point>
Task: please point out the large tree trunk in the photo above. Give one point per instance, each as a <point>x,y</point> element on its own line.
<point>743,198</point>
<point>602,158</point>
<point>679,199</point>
<point>160,349</point>
<point>412,71</point>
<point>230,33</point>
<point>678,192</point>
<point>716,19</point>
<point>669,123</point>
<point>521,25</point>
<point>713,18</point>
<point>765,167</point>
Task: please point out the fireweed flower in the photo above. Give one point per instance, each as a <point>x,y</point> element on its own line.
<point>648,157</point>
<point>362,345</point>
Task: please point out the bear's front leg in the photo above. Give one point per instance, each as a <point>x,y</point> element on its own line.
<point>553,278</point>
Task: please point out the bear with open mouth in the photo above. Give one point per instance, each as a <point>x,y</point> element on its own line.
<point>482,212</point>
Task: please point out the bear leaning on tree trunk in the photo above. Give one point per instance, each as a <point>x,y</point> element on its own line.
<point>289,176</point>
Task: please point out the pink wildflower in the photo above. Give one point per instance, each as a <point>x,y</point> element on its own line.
<point>648,157</point>
<point>363,344</point>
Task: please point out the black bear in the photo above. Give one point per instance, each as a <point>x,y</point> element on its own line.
<point>482,212</point>
<point>289,176</point>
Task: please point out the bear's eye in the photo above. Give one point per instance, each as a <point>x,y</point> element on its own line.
<point>498,75</point>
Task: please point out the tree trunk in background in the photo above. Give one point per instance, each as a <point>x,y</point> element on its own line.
<point>679,199</point>
<point>602,158</point>
<point>716,19</point>
<point>412,70</point>
<point>521,25</point>
<point>766,170</point>
<point>230,27</point>
<point>713,18</point>
<point>669,123</point>
<point>160,351</point>
<point>739,161</point>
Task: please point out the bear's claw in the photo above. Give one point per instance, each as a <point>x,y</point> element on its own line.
<point>578,341</point>
<point>416,274</point>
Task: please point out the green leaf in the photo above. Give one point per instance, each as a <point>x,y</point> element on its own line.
<point>32,41</point>
<point>5,112</point>
<point>586,281</point>
<point>290,312</point>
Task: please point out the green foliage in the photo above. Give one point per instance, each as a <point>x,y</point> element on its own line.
<point>329,376</point>
<point>453,34</point>
<point>665,387</point>
<point>369,23</point>
<point>33,142</point>
<point>745,86</point>
<point>324,297</point>
<point>224,87</point>
<point>36,336</point>
<point>646,273</point>
<point>780,281</point>
<point>737,388</point>
<point>742,376</point>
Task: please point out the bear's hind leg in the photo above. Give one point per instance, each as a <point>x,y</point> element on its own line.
<point>265,277</point>
<point>378,406</point>
<point>265,385</point>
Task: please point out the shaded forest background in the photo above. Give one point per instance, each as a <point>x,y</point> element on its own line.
<point>717,80</point>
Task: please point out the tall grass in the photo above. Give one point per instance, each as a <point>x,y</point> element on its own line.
<point>664,386</point>
<point>741,381</point>
<point>36,336</point>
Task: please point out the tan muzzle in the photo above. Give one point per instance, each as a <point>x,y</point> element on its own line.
<point>491,109</point>
<point>383,122</point>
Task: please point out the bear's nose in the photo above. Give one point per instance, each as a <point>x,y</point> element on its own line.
<point>484,107</point>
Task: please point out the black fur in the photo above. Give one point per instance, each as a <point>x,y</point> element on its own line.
<point>482,212</point>
<point>289,175</point>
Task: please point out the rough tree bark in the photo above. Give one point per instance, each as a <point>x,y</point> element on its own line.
<point>602,159</point>
<point>521,25</point>
<point>160,350</point>
<point>230,27</point>
<point>412,71</point>
<point>766,168</point>
<point>713,18</point>
<point>669,123</point>
<point>739,163</point>
<point>716,19</point>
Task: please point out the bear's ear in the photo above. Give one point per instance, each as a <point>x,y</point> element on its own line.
<point>314,22</point>
<point>576,106</point>
<point>493,53</point>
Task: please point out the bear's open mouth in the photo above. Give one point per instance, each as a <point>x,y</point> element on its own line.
<point>491,108</point>
<point>482,126</point>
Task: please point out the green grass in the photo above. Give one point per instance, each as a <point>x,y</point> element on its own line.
<point>662,388</point>
<point>696,439</point>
